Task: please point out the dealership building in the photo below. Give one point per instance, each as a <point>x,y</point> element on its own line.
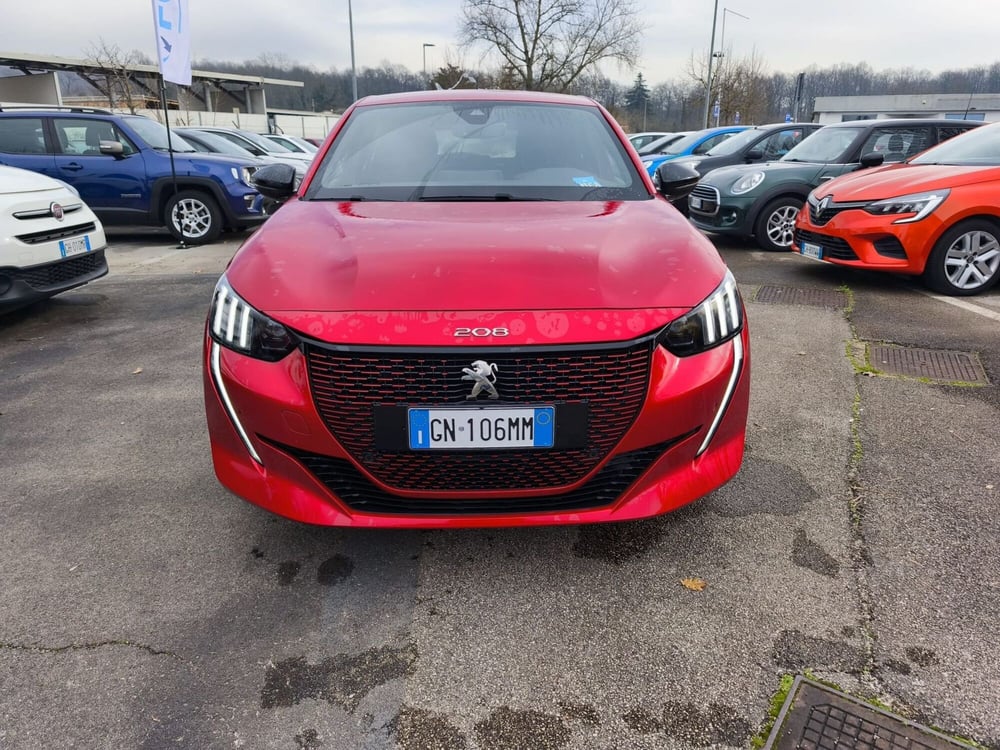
<point>980,107</point>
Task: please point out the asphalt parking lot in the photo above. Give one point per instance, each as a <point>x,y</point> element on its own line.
<point>143,606</point>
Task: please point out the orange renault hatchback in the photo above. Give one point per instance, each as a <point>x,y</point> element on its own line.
<point>936,215</point>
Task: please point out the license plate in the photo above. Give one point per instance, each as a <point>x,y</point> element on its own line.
<point>812,251</point>
<point>75,246</point>
<point>482,429</point>
<point>694,202</point>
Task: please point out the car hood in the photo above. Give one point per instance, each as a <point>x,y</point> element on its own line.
<point>341,256</point>
<point>902,179</point>
<point>15,180</point>
<point>780,170</point>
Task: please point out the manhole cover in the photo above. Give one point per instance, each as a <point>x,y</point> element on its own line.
<point>816,717</point>
<point>949,367</point>
<point>791,295</point>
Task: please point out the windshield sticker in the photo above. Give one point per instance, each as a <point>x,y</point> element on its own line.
<point>586,181</point>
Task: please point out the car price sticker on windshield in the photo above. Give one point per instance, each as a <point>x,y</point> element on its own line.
<point>485,429</point>
<point>75,246</point>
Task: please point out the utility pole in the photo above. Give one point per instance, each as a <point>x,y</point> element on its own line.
<point>354,70</point>
<point>711,55</point>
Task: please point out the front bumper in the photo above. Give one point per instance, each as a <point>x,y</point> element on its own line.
<point>726,215</point>
<point>862,240</point>
<point>23,286</point>
<point>272,446</point>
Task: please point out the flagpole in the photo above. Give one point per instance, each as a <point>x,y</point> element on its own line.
<point>170,144</point>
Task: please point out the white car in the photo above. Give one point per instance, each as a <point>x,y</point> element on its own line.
<point>292,143</point>
<point>50,240</point>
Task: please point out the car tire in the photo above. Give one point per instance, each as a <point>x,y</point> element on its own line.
<point>965,260</point>
<point>775,225</point>
<point>193,217</point>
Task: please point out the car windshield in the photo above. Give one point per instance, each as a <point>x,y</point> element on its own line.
<point>825,146</point>
<point>977,147</point>
<point>265,143</point>
<point>155,134</point>
<point>657,146</point>
<point>218,144</point>
<point>477,150</point>
<point>734,143</point>
<point>684,144</point>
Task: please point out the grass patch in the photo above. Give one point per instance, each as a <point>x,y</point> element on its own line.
<point>774,708</point>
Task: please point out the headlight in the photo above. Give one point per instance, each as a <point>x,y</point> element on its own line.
<point>920,204</point>
<point>246,173</point>
<point>237,326</point>
<point>747,182</point>
<point>717,319</point>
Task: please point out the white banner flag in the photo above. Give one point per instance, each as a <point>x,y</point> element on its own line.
<point>173,40</point>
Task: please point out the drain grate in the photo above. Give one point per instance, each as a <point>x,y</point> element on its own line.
<point>792,295</point>
<point>948,367</point>
<point>816,717</point>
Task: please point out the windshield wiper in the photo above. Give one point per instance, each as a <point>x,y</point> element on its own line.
<point>479,198</point>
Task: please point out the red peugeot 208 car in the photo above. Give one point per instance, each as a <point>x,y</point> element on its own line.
<point>476,310</point>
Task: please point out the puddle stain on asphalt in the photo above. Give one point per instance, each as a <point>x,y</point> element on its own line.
<point>922,657</point>
<point>795,650</point>
<point>810,555</point>
<point>334,570</point>
<point>342,680</point>
<point>715,725</point>
<point>762,487</point>
<point>287,572</point>
<point>418,729</point>
<point>583,712</point>
<point>507,728</point>
<point>618,542</point>
<point>308,739</point>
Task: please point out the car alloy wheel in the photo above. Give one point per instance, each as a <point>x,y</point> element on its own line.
<point>193,217</point>
<point>776,225</point>
<point>966,260</point>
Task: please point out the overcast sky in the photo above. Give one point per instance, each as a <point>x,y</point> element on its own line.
<point>790,35</point>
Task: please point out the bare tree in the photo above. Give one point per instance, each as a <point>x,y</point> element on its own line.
<point>738,85</point>
<point>110,73</point>
<point>549,44</point>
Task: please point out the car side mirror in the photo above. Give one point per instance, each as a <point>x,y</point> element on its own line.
<point>872,159</point>
<point>111,148</point>
<point>276,181</point>
<point>674,181</point>
<point>754,154</point>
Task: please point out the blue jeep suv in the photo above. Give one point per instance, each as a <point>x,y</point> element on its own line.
<point>120,165</point>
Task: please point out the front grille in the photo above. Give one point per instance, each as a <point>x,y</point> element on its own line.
<point>61,272</point>
<point>833,247</point>
<point>890,247</point>
<point>709,197</point>
<point>611,382</point>
<point>50,235</point>
<point>354,489</point>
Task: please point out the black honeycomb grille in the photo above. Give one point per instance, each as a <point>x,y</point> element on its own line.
<point>604,489</point>
<point>61,272</point>
<point>347,386</point>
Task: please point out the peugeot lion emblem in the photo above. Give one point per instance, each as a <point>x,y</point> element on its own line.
<point>483,374</point>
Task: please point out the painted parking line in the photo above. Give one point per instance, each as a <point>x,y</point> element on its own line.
<point>964,304</point>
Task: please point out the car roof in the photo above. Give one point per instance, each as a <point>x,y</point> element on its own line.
<point>478,95</point>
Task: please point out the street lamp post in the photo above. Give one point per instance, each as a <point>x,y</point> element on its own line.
<point>354,70</point>
<point>711,55</point>
<point>426,45</point>
<point>722,50</point>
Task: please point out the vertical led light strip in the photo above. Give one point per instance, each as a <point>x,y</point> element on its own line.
<point>730,389</point>
<point>228,404</point>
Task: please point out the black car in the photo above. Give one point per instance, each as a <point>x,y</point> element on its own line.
<point>757,144</point>
<point>762,200</point>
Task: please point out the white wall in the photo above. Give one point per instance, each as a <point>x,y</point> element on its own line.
<point>307,124</point>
